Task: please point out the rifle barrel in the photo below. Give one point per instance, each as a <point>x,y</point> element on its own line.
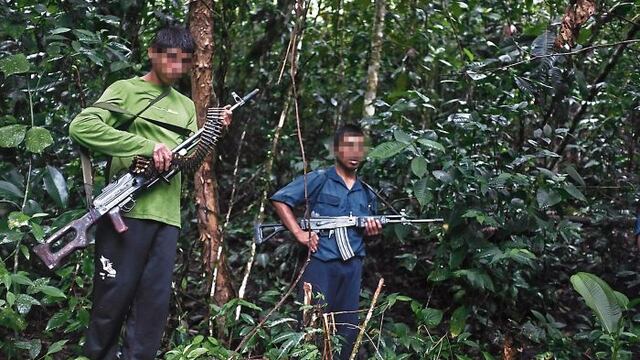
<point>419,220</point>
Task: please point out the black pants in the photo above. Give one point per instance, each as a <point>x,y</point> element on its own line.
<point>339,283</point>
<point>132,283</point>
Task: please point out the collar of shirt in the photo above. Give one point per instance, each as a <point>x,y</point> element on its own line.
<point>333,175</point>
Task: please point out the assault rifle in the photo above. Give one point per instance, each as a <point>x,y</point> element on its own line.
<point>120,195</point>
<point>335,225</point>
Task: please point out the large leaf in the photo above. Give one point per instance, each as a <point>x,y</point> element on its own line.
<point>573,191</point>
<point>543,44</point>
<point>524,85</point>
<point>429,316</point>
<point>571,171</point>
<point>458,321</point>
<point>600,298</point>
<point>547,198</point>
<point>443,176</point>
<point>402,137</point>
<point>14,64</point>
<point>17,220</point>
<point>434,145</point>
<point>422,193</point>
<point>38,139</point>
<point>58,319</point>
<point>12,135</point>
<point>419,166</point>
<point>24,302</point>
<point>34,347</point>
<point>56,186</point>
<point>387,149</point>
<point>10,191</point>
<point>56,347</point>
<point>478,279</point>
<point>407,261</point>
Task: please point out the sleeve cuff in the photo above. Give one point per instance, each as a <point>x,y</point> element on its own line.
<point>283,199</point>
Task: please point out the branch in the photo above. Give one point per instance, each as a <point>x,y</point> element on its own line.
<point>354,352</point>
<point>574,52</point>
<point>594,90</point>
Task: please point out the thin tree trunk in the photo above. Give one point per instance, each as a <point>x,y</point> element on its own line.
<point>205,182</point>
<point>374,61</point>
<point>264,196</point>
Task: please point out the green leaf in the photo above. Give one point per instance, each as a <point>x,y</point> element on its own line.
<point>419,166</point>
<point>24,303</point>
<point>10,191</point>
<point>17,220</point>
<point>543,44</point>
<point>56,347</point>
<point>600,298</point>
<point>38,139</point>
<point>571,171</point>
<point>434,145</point>
<point>387,150</point>
<point>623,300</point>
<point>468,53</point>
<point>52,291</point>
<point>10,319</point>
<point>573,191</point>
<point>37,231</point>
<point>478,279</point>
<point>522,256</point>
<point>14,64</point>
<point>56,186</point>
<point>407,261</point>
<point>438,275</point>
<point>59,30</point>
<point>195,353</point>
<point>547,199</point>
<point>12,135</point>
<point>118,65</point>
<point>402,137</point>
<point>443,176</point>
<point>458,321</point>
<point>34,346</point>
<point>21,278</point>
<point>432,317</point>
<point>291,340</point>
<point>58,319</point>
<point>422,193</point>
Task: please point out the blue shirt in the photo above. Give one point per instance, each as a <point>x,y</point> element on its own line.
<point>329,196</point>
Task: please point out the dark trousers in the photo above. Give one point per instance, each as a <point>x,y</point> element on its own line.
<point>132,284</point>
<point>339,283</point>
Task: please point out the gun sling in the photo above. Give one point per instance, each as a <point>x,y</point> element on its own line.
<point>85,159</point>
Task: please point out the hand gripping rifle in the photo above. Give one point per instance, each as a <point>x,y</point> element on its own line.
<point>120,195</point>
<point>335,225</point>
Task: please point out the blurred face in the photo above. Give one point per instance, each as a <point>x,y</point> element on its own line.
<point>350,151</point>
<point>169,64</point>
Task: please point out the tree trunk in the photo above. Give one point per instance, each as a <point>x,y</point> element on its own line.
<point>374,61</point>
<point>205,182</point>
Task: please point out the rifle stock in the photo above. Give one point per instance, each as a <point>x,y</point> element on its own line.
<point>258,231</point>
<point>52,259</point>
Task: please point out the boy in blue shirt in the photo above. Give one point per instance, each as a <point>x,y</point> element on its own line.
<point>335,269</point>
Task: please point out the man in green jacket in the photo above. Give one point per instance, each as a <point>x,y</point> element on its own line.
<point>133,270</point>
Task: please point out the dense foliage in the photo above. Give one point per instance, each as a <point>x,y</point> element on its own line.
<point>527,149</point>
